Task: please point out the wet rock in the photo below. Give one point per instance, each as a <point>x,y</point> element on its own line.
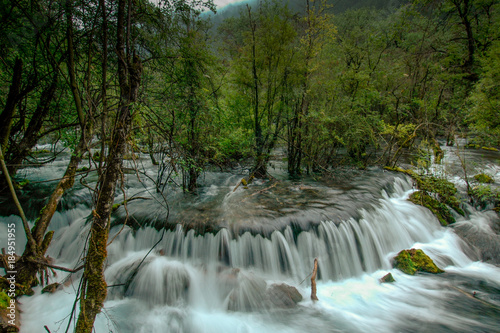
<point>388,278</point>
<point>249,294</point>
<point>51,288</point>
<point>283,295</point>
<point>484,240</point>
<point>437,208</point>
<point>412,261</point>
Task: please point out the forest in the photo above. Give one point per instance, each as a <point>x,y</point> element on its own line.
<point>310,86</point>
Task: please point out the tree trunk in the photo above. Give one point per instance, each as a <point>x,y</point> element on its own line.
<point>17,153</point>
<point>259,170</point>
<point>13,97</point>
<point>93,292</point>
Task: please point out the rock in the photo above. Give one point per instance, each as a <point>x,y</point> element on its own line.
<point>437,208</point>
<point>484,178</point>
<point>51,288</point>
<point>249,293</point>
<point>283,295</point>
<point>412,261</point>
<point>387,278</point>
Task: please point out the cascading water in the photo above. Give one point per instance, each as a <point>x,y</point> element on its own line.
<point>223,280</point>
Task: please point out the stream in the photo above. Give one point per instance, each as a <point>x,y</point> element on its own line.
<point>218,255</point>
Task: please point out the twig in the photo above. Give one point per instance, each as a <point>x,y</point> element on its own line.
<point>60,268</point>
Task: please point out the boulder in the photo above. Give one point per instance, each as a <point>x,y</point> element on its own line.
<point>283,295</point>
<point>414,260</point>
<point>387,278</point>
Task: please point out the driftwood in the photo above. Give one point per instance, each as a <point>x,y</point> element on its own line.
<point>313,280</point>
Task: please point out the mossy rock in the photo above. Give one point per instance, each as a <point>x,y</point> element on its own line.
<point>484,178</point>
<point>4,300</point>
<point>388,278</point>
<point>445,192</point>
<point>413,261</point>
<point>489,148</point>
<point>437,208</point>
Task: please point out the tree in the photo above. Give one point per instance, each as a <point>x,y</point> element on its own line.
<point>262,52</point>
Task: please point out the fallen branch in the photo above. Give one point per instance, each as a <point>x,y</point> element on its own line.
<point>55,267</point>
<point>265,189</point>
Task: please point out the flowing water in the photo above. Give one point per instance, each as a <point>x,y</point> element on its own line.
<point>219,254</point>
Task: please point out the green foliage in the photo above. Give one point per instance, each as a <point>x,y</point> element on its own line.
<point>413,261</point>
<point>483,196</point>
<point>484,116</point>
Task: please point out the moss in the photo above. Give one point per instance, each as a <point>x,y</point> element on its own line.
<point>41,151</point>
<point>489,148</point>
<point>96,156</point>
<point>4,300</point>
<point>244,182</point>
<point>438,153</point>
<point>116,206</point>
<point>130,156</point>
<point>396,169</point>
<point>413,261</point>
<point>484,178</point>
<point>444,195</point>
<point>23,183</point>
<point>82,169</point>
<point>437,208</point>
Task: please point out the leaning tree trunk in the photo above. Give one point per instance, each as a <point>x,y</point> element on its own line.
<point>93,290</point>
<point>18,152</point>
<point>31,261</point>
<point>7,115</point>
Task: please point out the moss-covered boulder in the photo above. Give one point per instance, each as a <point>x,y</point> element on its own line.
<point>413,260</point>
<point>483,178</point>
<point>437,194</point>
<point>437,208</point>
<point>388,278</point>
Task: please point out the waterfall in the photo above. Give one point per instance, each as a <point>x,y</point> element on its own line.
<point>220,281</point>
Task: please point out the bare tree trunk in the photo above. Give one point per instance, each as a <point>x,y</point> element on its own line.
<point>17,153</point>
<point>10,105</point>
